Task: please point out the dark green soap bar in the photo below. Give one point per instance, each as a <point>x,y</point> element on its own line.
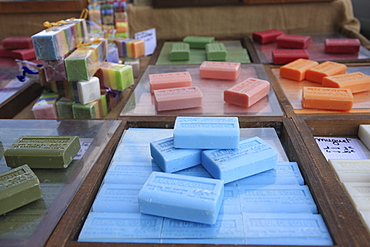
<point>216,52</point>
<point>18,187</point>
<point>43,151</point>
<point>180,51</point>
<point>198,42</point>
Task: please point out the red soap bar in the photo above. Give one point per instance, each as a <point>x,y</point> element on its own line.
<point>293,41</point>
<point>5,52</point>
<point>17,43</point>
<point>284,56</point>
<point>342,45</point>
<point>266,36</point>
<point>24,54</point>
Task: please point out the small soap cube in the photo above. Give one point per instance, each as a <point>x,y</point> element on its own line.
<point>55,70</point>
<point>86,111</point>
<point>251,157</point>
<point>18,187</point>
<point>135,48</point>
<point>266,36</point>
<point>88,91</point>
<point>357,82</point>
<point>206,132</point>
<point>247,92</point>
<point>296,70</point>
<point>342,45</point>
<point>220,70</point>
<point>182,197</point>
<point>42,151</point>
<point>328,68</point>
<point>115,76</point>
<point>170,80</point>
<point>293,41</point>
<point>284,56</point>
<point>364,134</point>
<point>180,51</point>
<point>64,108</point>
<point>198,42</point>
<point>216,52</point>
<point>171,159</point>
<point>44,108</point>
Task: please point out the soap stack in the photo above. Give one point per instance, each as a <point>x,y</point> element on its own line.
<point>17,48</point>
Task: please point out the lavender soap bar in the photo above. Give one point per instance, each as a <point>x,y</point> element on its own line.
<point>43,151</point>
<point>206,132</point>
<point>182,197</point>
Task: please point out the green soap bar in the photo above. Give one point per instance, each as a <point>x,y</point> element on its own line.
<point>104,104</point>
<point>64,109</point>
<point>43,151</point>
<point>198,42</point>
<point>18,187</point>
<point>1,150</point>
<point>216,52</point>
<point>180,52</point>
<point>81,111</point>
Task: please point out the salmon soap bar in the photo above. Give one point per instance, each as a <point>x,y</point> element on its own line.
<point>216,52</point>
<point>284,56</point>
<point>180,51</point>
<point>357,82</point>
<point>352,170</point>
<point>364,134</point>
<point>198,42</point>
<point>178,98</point>
<point>266,36</point>
<point>18,187</point>
<point>247,92</point>
<point>220,70</point>
<point>327,98</point>
<point>171,159</point>
<point>293,41</point>
<point>169,80</point>
<point>251,157</point>
<point>328,68</point>
<point>342,45</point>
<point>296,70</point>
<point>42,151</point>
<point>182,197</point>
<point>206,132</point>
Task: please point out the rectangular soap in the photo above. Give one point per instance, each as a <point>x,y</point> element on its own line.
<point>266,36</point>
<point>247,93</point>
<point>18,187</point>
<point>135,48</point>
<point>198,42</point>
<point>178,98</point>
<point>296,70</point>
<point>360,194</point>
<point>284,56</point>
<point>328,68</point>
<point>180,51</point>
<point>216,51</point>
<point>55,70</point>
<point>197,171</point>
<point>356,81</point>
<point>327,98</point>
<point>220,70</point>
<point>206,132</point>
<point>121,45</point>
<point>23,54</point>
<point>352,170</point>
<point>44,108</point>
<point>182,197</point>
<point>170,80</point>
<point>115,76</point>
<point>364,134</point>
<point>81,111</point>
<point>64,108</point>
<point>293,41</point>
<point>88,91</point>
<point>42,151</point>
<point>19,42</point>
<point>342,45</point>
<point>171,159</point>
<point>251,157</point>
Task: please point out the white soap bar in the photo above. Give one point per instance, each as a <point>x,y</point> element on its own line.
<point>360,194</point>
<point>352,170</point>
<point>88,91</point>
<point>364,134</point>
<point>366,218</point>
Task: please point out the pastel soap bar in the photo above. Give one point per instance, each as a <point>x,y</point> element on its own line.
<point>88,91</point>
<point>342,45</point>
<point>169,80</point>
<point>180,51</point>
<point>327,98</point>
<point>42,151</point>
<point>247,92</point>
<point>182,197</point>
<point>21,42</point>
<point>284,56</point>
<point>206,132</point>
<point>198,42</point>
<point>178,98</point>
<point>216,52</point>
<point>266,36</point>
<point>364,134</point>
<point>171,159</point>
<point>357,82</point>
<point>296,70</point>
<point>328,68</point>
<point>352,170</point>
<point>360,194</point>
<point>251,157</point>
<point>44,108</point>
<point>293,41</point>
<point>115,76</point>
<point>220,70</point>
<point>18,187</point>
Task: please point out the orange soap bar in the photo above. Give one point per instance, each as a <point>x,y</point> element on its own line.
<point>169,80</point>
<point>177,98</point>
<point>220,70</point>
<point>317,74</point>
<point>247,92</point>
<point>296,70</point>
<point>357,82</point>
<point>327,98</point>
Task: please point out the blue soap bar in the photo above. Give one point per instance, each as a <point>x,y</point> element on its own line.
<point>231,204</point>
<point>297,172</point>
<point>197,171</point>
<point>117,198</point>
<point>172,159</point>
<point>251,157</point>
<point>126,152</point>
<point>182,197</point>
<point>121,227</point>
<point>145,135</point>
<point>286,229</point>
<point>213,241</point>
<point>206,132</point>
<point>276,199</point>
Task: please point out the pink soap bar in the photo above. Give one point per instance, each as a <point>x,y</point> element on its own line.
<point>169,80</point>
<point>247,92</point>
<point>5,52</point>
<point>17,43</point>
<point>266,36</point>
<point>284,56</point>
<point>24,54</point>
<point>220,70</point>
<point>293,41</point>
<point>177,98</point>
<point>342,45</point>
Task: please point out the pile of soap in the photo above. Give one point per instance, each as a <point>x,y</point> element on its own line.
<point>292,47</point>
<point>337,86</point>
<point>17,48</point>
